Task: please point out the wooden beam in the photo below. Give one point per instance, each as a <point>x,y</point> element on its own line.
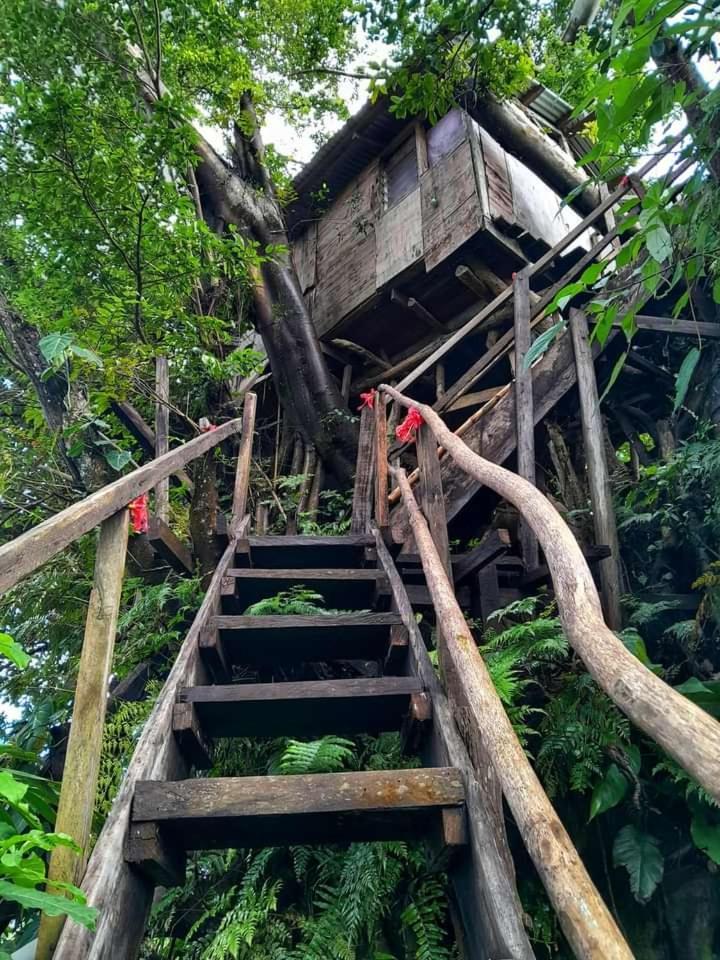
<point>82,761</point>
<point>162,434</point>
<point>601,498</point>
<point>583,916</point>
<point>397,368</point>
<point>145,435</point>
<point>429,318</point>
<point>493,545</point>
<point>524,407</point>
<point>242,470</point>
<point>367,355</point>
<point>169,547</point>
<point>687,328</point>
<point>469,278</point>
<point>431,493</point>
<point>364,473</point>
<point>689,734</point>
<point>33,549</point>
<point>382,516</point>
<point>122,896</point>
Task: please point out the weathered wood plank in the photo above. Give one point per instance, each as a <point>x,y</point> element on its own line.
<point>82,761</point>
<point>524,406</point>
<point>451,208</point>
<point>144,434</point>
<point>398,239</point>
<point>482,879</point>
<point>242,471</point>
<point>309,708</point>
<point>601,498</point>
<point>431,492</point>
<point>122,896</point>
<point>364,473</point>
<point>168,547</point>
<point>271,811</point>
<point>34,548</point>
<point>381,464</point>
<point>493,545</point>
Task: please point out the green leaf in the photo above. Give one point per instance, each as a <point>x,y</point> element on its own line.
<point>49,903</point>
<point>609,791</point>
<point>10,788</point>
<point>640,854</point>
<point>54,347</point>
<point>687,368</point>
<point>619,364</point>
<point>543,343</point>
<point>85,354</point>
<point>13,651</point>
<point>118,458</point>
<point>716,290</point>
<point>706,836</point>
<point>659,243</point>
<point>705,694</point>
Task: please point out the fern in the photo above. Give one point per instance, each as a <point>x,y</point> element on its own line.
<point>422,921</point>
<point>327,755</point>
<point>297,600</point>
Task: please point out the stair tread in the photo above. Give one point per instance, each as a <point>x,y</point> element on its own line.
<point>278,640</point>
<point>312,573</point>
<point>303,708</point>
<point>227,812</point>
<point>307,540</point>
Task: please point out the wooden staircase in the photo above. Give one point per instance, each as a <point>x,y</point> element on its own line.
<point>257,668</point>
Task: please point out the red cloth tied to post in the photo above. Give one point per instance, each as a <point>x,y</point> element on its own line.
<point>406,430</point>
<point>139,513</point>
<point>206,426</point>
<point>368,399</point>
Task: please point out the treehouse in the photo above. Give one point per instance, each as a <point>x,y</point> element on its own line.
<point>401,229</point>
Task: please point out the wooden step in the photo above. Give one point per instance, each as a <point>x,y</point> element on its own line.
<point>284,640</point>
<point>309,708</point>
<point>304,551</point>
<point>343,588</point>
<point>214,814</point>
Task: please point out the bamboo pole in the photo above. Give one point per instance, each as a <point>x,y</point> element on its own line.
<point>162,431</point>
<point>242,470</point>
<point>82,763</point>
<point>598,477</point>
<point>584,918</point>
<point>689,734</point>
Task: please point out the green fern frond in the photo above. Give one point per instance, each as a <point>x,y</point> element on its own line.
<point>327,755</point>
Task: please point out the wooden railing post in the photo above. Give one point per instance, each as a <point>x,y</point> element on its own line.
<point>82,762</point>
<point>382,510</point>
<point>524,407</point>
<point>431,494</point>
<point>364,471</point>
<point>242,471</point>
<point>598,478</point>
<point>162,434</point>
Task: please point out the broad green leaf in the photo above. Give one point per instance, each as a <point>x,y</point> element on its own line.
<point>10,788</point>
<point>85,354</point>
<point>716,290</point>
<point>659,243</point>
<point>118,458</point>
<point>13,651</point>
<point>49,903</point>
<point>705,694</point>
<point>706,836</point>
<point>640,854</point>
<point>542,343</point>
<point>619,364</point>
<point>636,645</point>
<point>609,791</point>
<point>54,347</point>
<point>682,383</point>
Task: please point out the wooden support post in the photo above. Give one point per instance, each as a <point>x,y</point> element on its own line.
<point>363,492</point>
<point>439,381</point>
<point>382,510</point>
<point>431,493</point>
<point>346,381</point>
<point>162,434</point>
<point>598,476</point>
<point>82,762</point>
<point>242,472</point>
<point>524,407</point>
<point>421,311</point>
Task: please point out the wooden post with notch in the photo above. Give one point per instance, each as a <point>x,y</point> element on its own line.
<point>364,470</point>
<point>598,476</point>
<point>524,407</point>
<point>431,493</point>
<point>242,471</point>
<point>162,434</point>
<point>382,510</point>
<point>82,762</point>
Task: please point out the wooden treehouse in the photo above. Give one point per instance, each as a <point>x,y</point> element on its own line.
<point>428,256</point>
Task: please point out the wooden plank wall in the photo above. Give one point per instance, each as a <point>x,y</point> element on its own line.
<point>398,238</point>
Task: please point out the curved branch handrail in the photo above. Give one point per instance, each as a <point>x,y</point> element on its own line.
<point>34,548</point>
<point>685,731</point>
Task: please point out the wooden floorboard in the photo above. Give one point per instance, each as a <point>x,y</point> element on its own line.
<point>302,709</point>
<point>306,551</point>
<point>271,640</point>
<point>341,588</point>
<point>201,814</point>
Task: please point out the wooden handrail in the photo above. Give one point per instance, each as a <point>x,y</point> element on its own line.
<point>539,265</point>
<point>584,918</point>
<point>35,547</point>
<point>685,731</point>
